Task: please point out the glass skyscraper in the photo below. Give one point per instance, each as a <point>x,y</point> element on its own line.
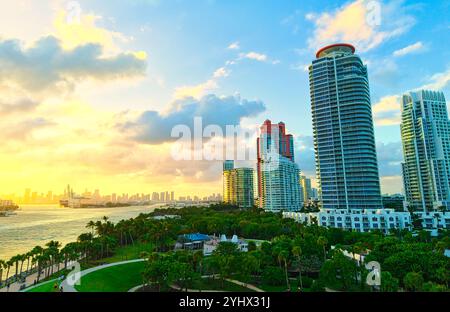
<point>346,159</point>
<point>425,132</point>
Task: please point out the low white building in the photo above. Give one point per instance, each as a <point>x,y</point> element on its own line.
<point>211,245</point>
<point>434,221</point>
<point>358,220</point>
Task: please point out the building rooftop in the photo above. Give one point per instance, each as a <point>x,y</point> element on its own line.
<point>339,47</point>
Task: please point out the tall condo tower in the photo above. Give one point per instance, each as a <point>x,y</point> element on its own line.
<point>344,142</point>
<point>425,132</point>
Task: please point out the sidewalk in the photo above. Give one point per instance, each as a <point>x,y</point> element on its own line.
<point>29,280</point>
<point>70,288</point>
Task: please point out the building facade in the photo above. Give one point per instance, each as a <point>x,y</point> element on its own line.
<point>425,131</point>
<point>344,142</point>
<point>307,192</point>
<point>238,185</point>
<point>358,220</point>
<point>278,174</point>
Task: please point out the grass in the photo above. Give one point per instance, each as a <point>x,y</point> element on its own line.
<point>130,252</point>
<point>119,278</point>
<point>46,287</point>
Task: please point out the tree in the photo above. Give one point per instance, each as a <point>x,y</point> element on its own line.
<point>339,272</point>
<point>297,252</point>
<point>283,256</point>
<point>225,259</point>
<point>322,241</point>
<point>272,275</point>
<point>2,266</point>
<point>413,281</point>
<point>388,282</point>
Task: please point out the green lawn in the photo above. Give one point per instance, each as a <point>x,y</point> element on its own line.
<point>119,278</point>
<point>126,253</point>
<point>44,288</point>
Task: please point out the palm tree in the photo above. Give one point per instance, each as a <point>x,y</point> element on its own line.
<point>91,225</point>
<point>322,241</point>
<point>283,257</point>
<point>2,266</point>
<point>9,264</point>
<point>297,252</point>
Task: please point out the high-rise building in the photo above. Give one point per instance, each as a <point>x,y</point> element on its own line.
<point>278,174</point>
<point>425,130</point>
<point>344,141</point>
<point>238,185</point>
<point>228,182</point>
<point>305,184</point>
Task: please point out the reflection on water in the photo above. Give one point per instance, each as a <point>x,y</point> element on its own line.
<point>37,225</point>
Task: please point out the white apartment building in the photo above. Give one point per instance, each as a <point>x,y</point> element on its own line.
<point>359,220</point>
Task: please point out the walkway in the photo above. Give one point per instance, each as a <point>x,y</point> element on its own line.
<point>29,280</point>
<point>70,288</point>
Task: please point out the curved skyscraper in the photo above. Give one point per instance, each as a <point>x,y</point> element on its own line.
<point>346,160</point>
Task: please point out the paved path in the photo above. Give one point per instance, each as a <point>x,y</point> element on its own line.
<point>69,286</point>
<point>29,280</point>
<point>249,286</point>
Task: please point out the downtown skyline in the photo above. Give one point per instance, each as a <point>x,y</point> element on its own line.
<point>82,120</point>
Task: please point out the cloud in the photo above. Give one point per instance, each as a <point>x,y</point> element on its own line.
<point>84,30</point>
<point>438,81</point>
<point>413,48</point>
<point>24,130</point>
<point>387,111</point>
<point>234,46</point>
<point>221,72</point>
<point>255,56</point>
<point>360,23</point>
<point>201,89</point>
<point>18,106</point>
<point>153,127</point>
<point>47,66</point>
<point>196,91</point>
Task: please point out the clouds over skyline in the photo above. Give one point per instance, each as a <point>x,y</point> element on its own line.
<point>155,128</point>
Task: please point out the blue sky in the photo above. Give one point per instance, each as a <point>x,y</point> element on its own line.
<point>257,49</point>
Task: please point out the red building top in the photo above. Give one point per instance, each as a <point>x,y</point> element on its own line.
<point>336,47</point>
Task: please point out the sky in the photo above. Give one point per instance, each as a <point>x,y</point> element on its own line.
<point>90,90</point>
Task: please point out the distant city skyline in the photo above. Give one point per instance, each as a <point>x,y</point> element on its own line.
<point>30,196</point>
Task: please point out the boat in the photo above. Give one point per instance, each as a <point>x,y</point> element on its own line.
<point>8,208</point>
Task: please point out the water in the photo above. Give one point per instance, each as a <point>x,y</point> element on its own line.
<point>37,225</point>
